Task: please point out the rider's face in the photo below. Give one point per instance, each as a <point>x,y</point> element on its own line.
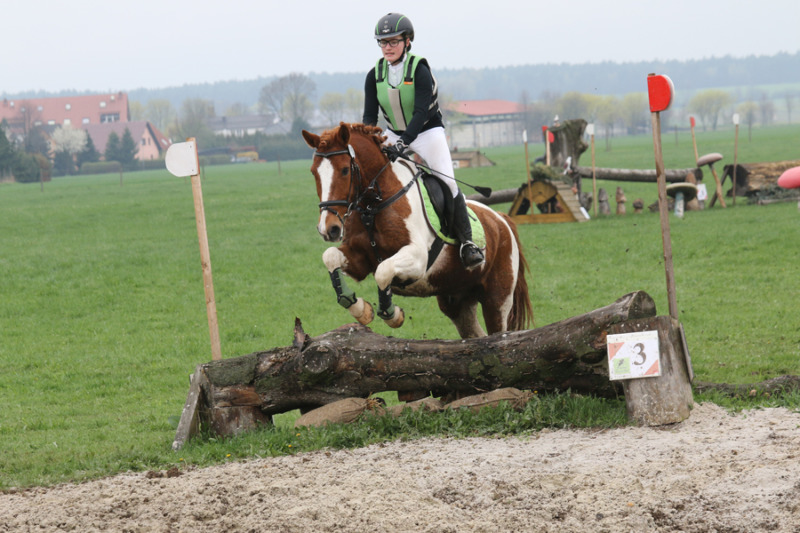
<point>392,54</point>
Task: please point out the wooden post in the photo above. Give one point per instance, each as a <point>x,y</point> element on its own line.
<point>664,399</point>
<point>546,132</point>
<point>660,92</point>
<point>694,141</point>
<point>590,127</point>
<point>205,262</point>
<point>529,179</point>
<point>182,160</point>
<point>735,153</point>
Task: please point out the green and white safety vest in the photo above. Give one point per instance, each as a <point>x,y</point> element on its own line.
<point>397,103</point>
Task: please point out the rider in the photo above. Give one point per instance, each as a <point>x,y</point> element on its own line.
<point>402,86</point>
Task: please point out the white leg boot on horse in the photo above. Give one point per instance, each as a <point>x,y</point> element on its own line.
<point>471,255</point>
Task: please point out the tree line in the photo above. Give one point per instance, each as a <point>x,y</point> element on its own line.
<point>291,101</point>
<point>297,101</point>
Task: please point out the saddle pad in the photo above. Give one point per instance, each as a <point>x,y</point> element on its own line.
<point>432,217</point>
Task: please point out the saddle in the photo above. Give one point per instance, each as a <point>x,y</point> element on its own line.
<point>441,201</point>
<point>438,203</point>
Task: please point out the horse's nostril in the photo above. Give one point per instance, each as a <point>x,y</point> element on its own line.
<point>334,233</point>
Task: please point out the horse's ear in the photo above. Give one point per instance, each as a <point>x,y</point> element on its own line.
<point>311,139</point>
<point>344,133</point>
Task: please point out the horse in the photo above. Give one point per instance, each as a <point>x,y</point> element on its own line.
<point>375,209</point>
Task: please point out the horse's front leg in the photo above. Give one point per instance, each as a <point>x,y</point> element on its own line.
<point>361,310</point>
<point>408,263</point>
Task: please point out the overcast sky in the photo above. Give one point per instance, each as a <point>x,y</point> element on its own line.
<point>109,45</point>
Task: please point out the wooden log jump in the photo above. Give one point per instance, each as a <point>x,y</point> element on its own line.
<point>636,175</point>
<point>612,174</point>
<point>237,394</point>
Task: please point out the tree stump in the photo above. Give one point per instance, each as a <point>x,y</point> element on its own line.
<point>568,143</point>
<point>665,399</point>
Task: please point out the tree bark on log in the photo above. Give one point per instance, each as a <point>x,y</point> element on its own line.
<point>637,175</point>
<point>235,394</point>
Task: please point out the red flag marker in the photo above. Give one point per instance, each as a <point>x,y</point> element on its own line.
<point>660,90</point>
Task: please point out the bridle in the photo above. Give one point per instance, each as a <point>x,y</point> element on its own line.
<point>367,202</point>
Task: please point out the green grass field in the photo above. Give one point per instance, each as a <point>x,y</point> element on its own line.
<point>102,316</point>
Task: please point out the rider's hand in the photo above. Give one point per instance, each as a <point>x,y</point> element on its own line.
<point>396,150</point>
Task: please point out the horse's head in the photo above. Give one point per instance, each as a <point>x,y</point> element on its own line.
<point>340,155</point>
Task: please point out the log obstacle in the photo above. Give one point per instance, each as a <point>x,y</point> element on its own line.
<point>238,394</point>
<point>636,175</point>
<point>611,174</point>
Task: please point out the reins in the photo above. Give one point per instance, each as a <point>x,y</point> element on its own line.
<point>367,210</point>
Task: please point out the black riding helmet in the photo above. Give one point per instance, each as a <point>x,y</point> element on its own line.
<point>392,25</point>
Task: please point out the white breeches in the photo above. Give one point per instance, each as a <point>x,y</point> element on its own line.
<point>431,145</point>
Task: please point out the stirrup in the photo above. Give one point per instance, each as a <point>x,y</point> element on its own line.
<point>471,255</point>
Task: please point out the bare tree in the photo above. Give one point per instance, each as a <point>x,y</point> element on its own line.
<point>160,112</point>
<point>288,97</point>
<point>633,112</point>
<point>574,105</point>
<point>193,120</point>
<point>748,111</point>
<point>354,103</point>
<point>767,109</point>
<point>333,107</point>
<point>707,105</point>
<point>789,99</point>
<point>607,116</point>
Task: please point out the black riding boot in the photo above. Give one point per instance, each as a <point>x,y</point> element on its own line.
<point>471,255</point>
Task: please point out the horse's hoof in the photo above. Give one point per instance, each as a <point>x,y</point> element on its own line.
<point>362,311</point>
<point>397,319</point>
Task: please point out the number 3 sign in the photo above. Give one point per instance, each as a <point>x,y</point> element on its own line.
<point>633,355</point>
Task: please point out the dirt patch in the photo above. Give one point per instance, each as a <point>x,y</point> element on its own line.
<point>712,472</point>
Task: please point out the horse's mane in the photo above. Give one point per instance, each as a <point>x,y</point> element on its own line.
<point>329,137</point>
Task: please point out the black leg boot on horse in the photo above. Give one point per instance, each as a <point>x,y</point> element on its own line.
<point>471,255</point>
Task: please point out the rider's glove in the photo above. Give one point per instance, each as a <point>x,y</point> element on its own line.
<point>396,150</point>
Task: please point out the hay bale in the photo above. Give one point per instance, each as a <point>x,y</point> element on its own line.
<point>426,404</point>
<point>340,412</point>
<point>515,397</point>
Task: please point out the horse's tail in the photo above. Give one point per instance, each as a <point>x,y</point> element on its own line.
<point>521,315</point>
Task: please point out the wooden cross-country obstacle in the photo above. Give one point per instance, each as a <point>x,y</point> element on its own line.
<point>234,395</point>
<point>556,201</point>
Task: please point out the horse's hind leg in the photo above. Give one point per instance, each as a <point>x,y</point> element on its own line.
<point>464,314</point>
<point>360,309</point>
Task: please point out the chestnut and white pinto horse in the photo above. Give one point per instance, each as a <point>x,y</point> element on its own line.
<point>375,209</point>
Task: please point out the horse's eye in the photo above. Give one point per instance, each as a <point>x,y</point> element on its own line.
<point>345,170</point>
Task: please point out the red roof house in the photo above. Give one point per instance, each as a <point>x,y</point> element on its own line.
<point>98,114</point>
<point>75,111</point>
<point>151,142</point>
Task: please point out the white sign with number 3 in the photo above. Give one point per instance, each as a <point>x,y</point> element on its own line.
<point>633,355</point>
